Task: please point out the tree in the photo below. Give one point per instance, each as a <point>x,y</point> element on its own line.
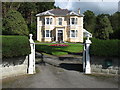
<point>14,24</point>
<point>115,24</point>
<point>89,21</point>
<point>103,27</point>
<point>6,6</point>
<point>27,10</point>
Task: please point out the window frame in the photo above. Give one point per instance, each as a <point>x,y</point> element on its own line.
<point>75,33</point>
<point>73,21</point>
<point>47,33</point>
<point>60,21</point>
<point>48,21</point>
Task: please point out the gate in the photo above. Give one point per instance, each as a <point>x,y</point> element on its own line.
<point>86,56</point>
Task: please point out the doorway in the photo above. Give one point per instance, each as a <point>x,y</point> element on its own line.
<point>60,35</point>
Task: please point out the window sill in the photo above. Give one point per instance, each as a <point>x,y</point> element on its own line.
<point>73,37</point>
<point>46,37</point>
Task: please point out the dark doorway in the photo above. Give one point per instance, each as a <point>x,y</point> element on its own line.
<point>60,35</point>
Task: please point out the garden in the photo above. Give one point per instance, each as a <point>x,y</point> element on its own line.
<point>60,49</point>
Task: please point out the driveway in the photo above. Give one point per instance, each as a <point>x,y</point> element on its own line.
<point>50,76</point>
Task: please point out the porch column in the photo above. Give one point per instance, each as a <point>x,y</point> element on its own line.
<point>87,68</point>
<point>38,25</point>
<point>56,35</point>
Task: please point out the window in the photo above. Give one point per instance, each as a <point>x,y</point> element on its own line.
<point>47,33</point>
<point>76,21</point>
<point>60,21</point>
<point>73,33</point>
<point>73,21</point>
<point>48,21</point>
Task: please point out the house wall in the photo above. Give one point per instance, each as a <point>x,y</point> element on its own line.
<point>54,26</point>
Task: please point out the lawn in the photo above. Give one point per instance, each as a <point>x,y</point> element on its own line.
<point>73,48</point>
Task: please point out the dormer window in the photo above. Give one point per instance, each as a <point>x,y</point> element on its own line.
<point>60,21</point>
<point>48,21</point>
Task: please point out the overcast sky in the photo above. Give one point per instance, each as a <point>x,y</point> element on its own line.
<point>97,7</point>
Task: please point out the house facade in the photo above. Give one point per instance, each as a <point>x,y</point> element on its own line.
<point>60,25</point>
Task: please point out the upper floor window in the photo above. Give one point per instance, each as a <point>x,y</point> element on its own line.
<point>73,33</point>
<point>48,21</point>
<point>73,21</point>
<point>60,21</point>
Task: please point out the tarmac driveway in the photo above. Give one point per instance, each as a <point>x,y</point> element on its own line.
<point>50,76</point>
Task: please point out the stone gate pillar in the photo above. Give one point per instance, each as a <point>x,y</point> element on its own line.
<point>87,56</point>
<point>31,61</point>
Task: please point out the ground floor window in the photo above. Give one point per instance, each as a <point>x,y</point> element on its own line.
<point>47,33</point>
<point>73,33</point>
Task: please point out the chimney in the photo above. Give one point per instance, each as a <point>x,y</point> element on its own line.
<point>78,10</point>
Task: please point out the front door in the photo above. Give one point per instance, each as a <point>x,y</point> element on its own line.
<point>60,35</point>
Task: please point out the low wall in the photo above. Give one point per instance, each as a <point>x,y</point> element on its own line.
<point>14,66</point>
<point>104,65</point>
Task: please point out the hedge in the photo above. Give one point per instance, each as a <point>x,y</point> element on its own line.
<point>107,48</point>
<point>13,46</point>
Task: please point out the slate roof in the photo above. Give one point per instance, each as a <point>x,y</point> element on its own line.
<point>58,12</point>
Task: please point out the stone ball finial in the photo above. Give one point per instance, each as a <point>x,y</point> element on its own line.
<point>30,36</point>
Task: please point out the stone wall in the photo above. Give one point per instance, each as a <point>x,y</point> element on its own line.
<point>104,65</point>
<point>14,66</point>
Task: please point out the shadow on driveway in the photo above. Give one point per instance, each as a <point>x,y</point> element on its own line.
<point>71,66</point>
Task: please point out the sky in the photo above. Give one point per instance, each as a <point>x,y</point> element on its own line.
<point>97,6</point>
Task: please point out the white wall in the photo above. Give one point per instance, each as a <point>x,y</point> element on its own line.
<point>11,70</point>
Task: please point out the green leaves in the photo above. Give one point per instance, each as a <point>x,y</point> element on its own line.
<point>103,27</point>
<point>89,21</point>
<point>107,48</point>
<point>15,46</point>
<point>14,24</point>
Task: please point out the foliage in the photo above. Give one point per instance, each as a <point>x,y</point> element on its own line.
<point>104,47</point>
<point>115,24</point>
<point>89,21</point>
<point>103,27</point>
<point>72,48</point>
<point>13,46</point>
<point>14,24</point>
<point>33,29</point>
<point>28,11</point>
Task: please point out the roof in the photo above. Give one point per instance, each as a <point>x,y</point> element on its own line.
<point>59,12</point>
<point>86,33</point>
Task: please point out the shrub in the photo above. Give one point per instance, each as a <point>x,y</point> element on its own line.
<point>13,46</point>
<point>104,47</point>
<point>14,24</point>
